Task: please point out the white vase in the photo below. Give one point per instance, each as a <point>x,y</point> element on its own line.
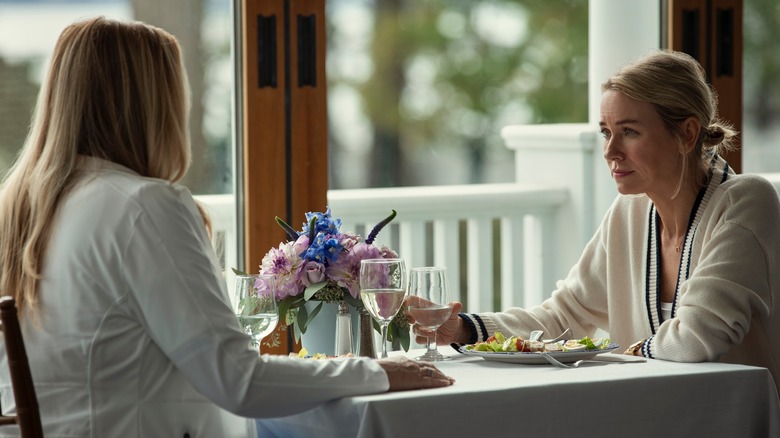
<point>320,336</point>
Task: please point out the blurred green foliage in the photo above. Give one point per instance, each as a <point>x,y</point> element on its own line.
<point>761,59</point>
<point>450,74</point>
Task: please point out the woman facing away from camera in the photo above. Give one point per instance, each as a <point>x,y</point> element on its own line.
<point>686,263</point>
<point>123,307</point>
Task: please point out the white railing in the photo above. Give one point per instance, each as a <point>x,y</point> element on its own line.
<point>500,242</point>
<point>497,240</point>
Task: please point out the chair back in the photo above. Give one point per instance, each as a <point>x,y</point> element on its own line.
<point>28,416</point>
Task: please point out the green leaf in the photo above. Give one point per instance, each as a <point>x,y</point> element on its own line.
<point>354,302</point>
<point>405,338</point>
<point>237,272</point>
<point>391,335</point>
<point>313,289</point>
<point>292,235</point>
<point>303,317</point>
<point>311,316</point>
<point>284,308</point>
<point>312,231</point>
<point>297,332</point>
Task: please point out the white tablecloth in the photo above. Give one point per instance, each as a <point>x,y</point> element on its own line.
<point>489,399</point>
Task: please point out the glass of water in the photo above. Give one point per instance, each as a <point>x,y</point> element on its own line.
<point>256,306</point>
<point>382,290</point>
<point>429,305</point>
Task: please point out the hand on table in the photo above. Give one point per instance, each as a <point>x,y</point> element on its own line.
<point>404,374</point>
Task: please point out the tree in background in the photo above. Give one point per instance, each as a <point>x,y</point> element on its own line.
<point>762,59</point>
<point>17,99</point>
<point>183,19</point>
<point>447,75</point>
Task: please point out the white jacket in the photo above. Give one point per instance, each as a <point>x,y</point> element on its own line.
<point>135,336</point>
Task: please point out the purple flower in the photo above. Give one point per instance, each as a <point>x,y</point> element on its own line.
<point>300,245</point>
<point>312,273</point>
<point>348,240</point>
<point>388,253</point>
<point>284,264</point>
<point>346,270</point>
<point>320,254</point>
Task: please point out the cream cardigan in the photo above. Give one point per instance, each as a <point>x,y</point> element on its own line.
<point>726,304</point>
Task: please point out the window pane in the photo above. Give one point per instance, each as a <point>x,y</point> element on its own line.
<point>761,87</point>
<point>29,30</point>
<point>204,28</point>
<point>418,91</point>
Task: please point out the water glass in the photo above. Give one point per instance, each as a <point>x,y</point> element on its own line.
<point>429,305</point>
<point>256,306</point>
<point>382,290</point>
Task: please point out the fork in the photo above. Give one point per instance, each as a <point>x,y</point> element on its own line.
<point>557,338</point>
<point>559,364</point>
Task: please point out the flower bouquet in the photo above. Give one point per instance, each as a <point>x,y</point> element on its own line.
<point>321,263</point>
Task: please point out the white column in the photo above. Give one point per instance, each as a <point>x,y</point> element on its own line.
<point>619,32</point>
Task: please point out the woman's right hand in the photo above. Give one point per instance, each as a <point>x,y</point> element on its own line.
<point>404,374</point>
<point>453,330</point>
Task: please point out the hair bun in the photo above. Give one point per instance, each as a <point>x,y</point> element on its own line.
<point>714,134</point>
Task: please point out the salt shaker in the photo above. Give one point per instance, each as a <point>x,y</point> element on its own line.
<point>343,330</point>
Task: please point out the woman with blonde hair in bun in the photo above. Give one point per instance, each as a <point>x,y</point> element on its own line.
<point>686,263</point>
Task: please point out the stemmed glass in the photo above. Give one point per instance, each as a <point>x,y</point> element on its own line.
<point>383,289</point>
<point>256,306</point>
<point>429,298</point>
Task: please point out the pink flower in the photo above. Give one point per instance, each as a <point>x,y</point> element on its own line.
<point>388,253</point>
<point>284,263</point>
<point>301,244</point>
<point>312,273</point>
<point>346,270</point>
<point>349,240</point>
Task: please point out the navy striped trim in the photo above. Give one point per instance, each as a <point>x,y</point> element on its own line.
<point>482,327</point>
<point>646,351</point>
<point>651,273</point>
<point>472,330</point>
<point>652,288</point>
<point>683,272</point>
<point>474,333</point>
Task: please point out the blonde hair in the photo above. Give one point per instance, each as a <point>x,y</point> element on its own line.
<point>675,84</point>
<point>116,91</point>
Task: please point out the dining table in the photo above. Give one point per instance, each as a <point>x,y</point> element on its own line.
<point>611,395</point>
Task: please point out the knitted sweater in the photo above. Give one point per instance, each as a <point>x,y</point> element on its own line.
<point>726,302</point>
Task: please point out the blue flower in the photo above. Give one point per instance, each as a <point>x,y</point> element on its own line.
<point>324,223</point>
<point>324,249</point>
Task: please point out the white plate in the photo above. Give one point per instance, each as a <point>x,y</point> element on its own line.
<point>534,357</point>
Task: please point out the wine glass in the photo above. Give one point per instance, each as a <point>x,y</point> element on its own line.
<point>429,298</point>
<point>256,306</point>
<point>383,289</point>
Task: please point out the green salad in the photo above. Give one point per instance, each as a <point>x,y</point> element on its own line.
<point>498,343</point>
